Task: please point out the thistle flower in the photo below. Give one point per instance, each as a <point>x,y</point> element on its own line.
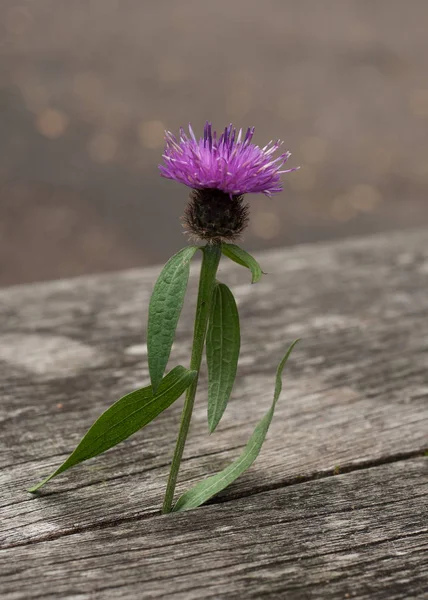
<point>220,171</point>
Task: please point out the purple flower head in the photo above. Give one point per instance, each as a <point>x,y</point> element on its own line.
<point>230,164</point>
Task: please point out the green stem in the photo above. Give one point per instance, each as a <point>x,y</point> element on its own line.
<point>210,261</point>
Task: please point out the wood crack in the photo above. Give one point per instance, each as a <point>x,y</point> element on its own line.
<point>365,464</point>
<point>215,501</point>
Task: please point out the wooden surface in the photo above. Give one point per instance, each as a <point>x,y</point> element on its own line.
<point>335,506</point>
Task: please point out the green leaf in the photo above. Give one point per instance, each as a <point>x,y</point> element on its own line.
<point>223,344</point>
<point>164,311</point>
<point>244,259</point>
<point>125,417</point>
<point>204,490</point>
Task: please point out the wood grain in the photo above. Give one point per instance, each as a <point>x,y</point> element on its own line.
<point>360,535</point>
<point>355,391</point>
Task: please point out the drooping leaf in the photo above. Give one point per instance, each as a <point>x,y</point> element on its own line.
<point>223,344</point>
<point>244,259</point>
<point>164,311</point>
<point>125,417</point>
<point>207,488</point>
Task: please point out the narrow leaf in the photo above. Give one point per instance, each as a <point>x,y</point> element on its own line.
<point>204,490</point>
<point>164,311</point>
<point>244,259</point>
<point>125,417</point>
<point>223,344</point>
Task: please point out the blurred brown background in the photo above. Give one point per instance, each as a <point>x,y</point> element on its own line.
<point>87,87</point>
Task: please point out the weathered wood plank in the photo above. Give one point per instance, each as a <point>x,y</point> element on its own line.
<point>362,535</point>
<point>356,389</point>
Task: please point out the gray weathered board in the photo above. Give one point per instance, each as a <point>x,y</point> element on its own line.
<point>336,504</point>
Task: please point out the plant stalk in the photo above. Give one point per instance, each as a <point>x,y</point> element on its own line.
<point>210,262</point>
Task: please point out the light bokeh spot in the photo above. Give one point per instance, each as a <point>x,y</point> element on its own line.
<point>151,134</point>
<point>52,123</point>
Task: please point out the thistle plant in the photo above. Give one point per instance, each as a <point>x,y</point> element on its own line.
<point>219,171</point>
